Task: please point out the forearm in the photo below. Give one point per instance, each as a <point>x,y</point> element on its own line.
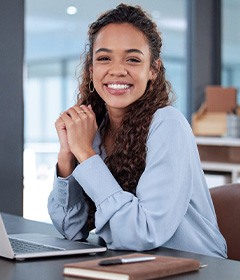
<point>123,220</point>
<point>124,224</point>
<point>66,164</point>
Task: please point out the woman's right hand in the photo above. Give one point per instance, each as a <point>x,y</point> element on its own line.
<point>62,135</point>
<point>66,159</point>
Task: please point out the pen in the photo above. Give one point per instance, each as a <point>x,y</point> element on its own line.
<point>126,260</point>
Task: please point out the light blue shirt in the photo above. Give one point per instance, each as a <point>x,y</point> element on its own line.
<point>172,206</point>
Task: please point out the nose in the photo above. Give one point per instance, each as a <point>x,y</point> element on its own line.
<point>117,69</point>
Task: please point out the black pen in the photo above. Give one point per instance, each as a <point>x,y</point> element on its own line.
<point>126,260</point>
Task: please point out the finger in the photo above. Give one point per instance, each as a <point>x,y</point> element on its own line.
<point>59,123</point>
<point>90,108</point>
<point>79,110</point>
<point>82,111</point>
<point>82,115</point>
<point>84,108</point>
<point>71,114</point>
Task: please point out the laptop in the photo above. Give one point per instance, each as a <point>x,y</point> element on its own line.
<point>35,245</point>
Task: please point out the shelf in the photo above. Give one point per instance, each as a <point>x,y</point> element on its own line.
<point>218,141</point>
<point>232,168</point>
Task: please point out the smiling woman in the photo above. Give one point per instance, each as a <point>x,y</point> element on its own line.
<point>129,167</point>
<point>121,71</point>
<point>54,40</point>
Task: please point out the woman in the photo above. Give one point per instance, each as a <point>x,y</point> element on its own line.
<point>128,164</point>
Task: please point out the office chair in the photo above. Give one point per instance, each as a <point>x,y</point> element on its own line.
<point>226,200</point>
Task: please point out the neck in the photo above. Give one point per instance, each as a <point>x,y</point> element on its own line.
<point>115,119</point>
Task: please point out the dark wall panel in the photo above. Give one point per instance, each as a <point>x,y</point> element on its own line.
<point>204,49</point>
<point>11,105</point>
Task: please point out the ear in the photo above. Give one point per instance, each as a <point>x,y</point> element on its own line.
<point>155,69</point>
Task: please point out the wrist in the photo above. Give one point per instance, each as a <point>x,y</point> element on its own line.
<point>85,155</point>
<point>65,155</point>
<point>66,164</point>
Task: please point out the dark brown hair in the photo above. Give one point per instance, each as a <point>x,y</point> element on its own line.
<point>127,162</point>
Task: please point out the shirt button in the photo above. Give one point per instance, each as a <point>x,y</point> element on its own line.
<point>62,201</point>
<point>63,184</point>
<point>62,191</point>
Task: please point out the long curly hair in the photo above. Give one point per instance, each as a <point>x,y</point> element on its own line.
<point>127,161</point>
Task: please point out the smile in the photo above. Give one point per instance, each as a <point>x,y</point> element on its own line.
<point>118,86</point>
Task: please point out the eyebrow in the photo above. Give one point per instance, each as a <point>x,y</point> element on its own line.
<point>127,51</point>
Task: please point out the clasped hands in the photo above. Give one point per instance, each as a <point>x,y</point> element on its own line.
<point>76,129</point>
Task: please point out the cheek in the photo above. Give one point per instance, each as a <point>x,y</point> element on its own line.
<point>144,73</point>
<point>144,77</point>
<point>96,79</point>
<point>97,74</point>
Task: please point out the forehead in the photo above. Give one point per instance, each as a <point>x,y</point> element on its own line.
<point>121,36</point>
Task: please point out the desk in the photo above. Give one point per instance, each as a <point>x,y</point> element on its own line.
<point>220,154</point>
<point>51,268</point>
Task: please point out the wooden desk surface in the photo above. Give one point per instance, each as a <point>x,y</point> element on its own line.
<point>51,268</point>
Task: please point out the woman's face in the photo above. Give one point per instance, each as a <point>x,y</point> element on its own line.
<point>121,65</point>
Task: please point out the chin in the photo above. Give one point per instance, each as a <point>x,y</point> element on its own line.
<point>118,106</point>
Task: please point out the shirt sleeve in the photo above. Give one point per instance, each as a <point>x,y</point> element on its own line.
<point>68,208</point>
<point>149,219</point>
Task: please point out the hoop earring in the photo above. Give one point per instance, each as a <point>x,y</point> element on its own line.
<point>91,86</point>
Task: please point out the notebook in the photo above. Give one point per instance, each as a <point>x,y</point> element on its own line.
<point>34,245</point>
<point>161,266</point>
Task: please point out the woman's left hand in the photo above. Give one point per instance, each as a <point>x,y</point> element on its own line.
<point>81,127</point>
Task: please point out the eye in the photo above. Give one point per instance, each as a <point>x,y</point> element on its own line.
<point>103,58</point>
<point>133,60</point>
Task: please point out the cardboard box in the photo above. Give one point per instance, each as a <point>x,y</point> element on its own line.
<point>220,99</point>
<point>211,118</point>
<point>206,123</point>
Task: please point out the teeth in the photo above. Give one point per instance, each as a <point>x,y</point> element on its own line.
<point>118,86</point>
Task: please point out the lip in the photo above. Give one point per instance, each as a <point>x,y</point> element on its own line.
<point>117,88</point>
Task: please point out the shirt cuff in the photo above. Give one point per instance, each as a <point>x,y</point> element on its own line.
<point>67,191</point>
<point>96,179</point>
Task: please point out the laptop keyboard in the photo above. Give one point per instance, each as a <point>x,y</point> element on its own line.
<point>21,246</point>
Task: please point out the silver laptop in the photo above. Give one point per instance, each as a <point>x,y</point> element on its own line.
<point>34,245</point>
